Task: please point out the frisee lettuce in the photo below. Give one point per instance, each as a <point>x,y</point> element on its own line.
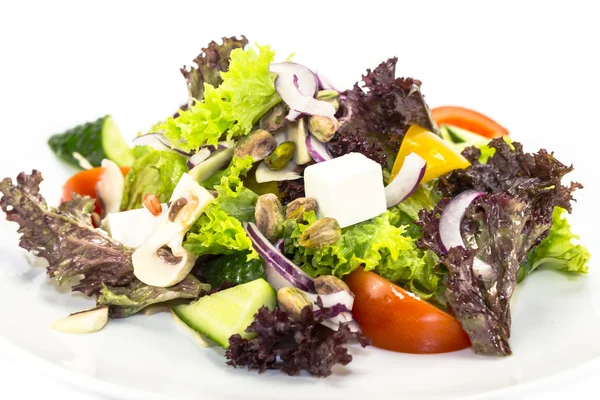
<point>246,93</point>
<point>375,244</point>
<point>219,230</point>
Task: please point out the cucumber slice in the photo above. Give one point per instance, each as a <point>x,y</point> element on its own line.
<point>459,135</point>
<point>93,141</point>
<point>225,313</point>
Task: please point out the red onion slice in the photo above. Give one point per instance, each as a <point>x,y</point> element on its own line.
<point>341,304</point>
<point>407,180</point>
<point>325,83</point>
<point>293,115</point>
<point>296,100</point>
<point>281,271</point>
<point>318,150</point>
<point>158,141</point>
<point>109,189</point>
<point>197,158</point>
<point>225,144</point>
<point>303,78</point>
<point>452,216</point>
<point>330,300</point>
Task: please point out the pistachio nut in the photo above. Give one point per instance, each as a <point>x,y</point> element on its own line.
<point>296,208</point>
<point>328,284</point>
<point>323,128</point>
<point>293,300</point>
<point>330,96</point>
<point>269,216</point>
<point>323,232</point>
<point>259,144</point>
<point>281,156</point>
<point>274,119</point>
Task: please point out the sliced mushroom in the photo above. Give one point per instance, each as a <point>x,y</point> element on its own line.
<point>109,189</point>
<point>87,321</point>
<point>162,261</point>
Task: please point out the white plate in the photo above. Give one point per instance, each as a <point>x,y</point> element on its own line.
<point>515,67</point>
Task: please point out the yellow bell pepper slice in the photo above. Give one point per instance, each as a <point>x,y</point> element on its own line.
<point>440,156</point>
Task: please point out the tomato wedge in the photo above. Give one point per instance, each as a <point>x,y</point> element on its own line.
<point>468,119</point>
<point>84,183</point>
<point>397,320</point>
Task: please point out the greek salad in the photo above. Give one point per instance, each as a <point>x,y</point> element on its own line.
<point>282,218</point>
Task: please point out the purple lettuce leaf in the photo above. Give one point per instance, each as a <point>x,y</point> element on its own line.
<point>65,236</point>
<point>292,345</point>
<point>213,60</point>
<point>373,120</point>
<point>465,295</point>
<point>501,227</point>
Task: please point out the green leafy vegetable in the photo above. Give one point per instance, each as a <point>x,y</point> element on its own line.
<point>462,139</point>
<point>425,197</point>
<point>65,236</point>
<point>156,172</point>
<point>219,230</point>
<point>235,269</point>
<point>128,300</point>
<point>213,60</point>
<point>557,250</point>
<point>233,198</point>
<point>376,244</point>
<point>246,94</point>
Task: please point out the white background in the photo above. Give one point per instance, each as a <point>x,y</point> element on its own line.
<point>112,57</point>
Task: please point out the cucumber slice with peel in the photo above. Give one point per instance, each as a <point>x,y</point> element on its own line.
<point>92,141</point>
<point>230,311</point>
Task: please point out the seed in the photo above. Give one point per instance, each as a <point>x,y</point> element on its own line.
<point>269,216</point>
<point>259,144</point>
<point>293,300</point>
<point>152,204</point>
<point>324,232</point>
<point>296,208</point>
<point>281,156</point>
<point>328,284</point>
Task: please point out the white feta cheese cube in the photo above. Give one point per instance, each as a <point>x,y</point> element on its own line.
<point>133,227</point>
<point>348,188</point>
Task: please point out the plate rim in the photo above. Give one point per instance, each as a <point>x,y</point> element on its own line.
<point>96,385</point>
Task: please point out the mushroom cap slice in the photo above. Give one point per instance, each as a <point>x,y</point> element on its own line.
<point>162,261</point>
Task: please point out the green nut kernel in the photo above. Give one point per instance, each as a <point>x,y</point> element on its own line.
<point>324,232</point>
<point>281,156</point>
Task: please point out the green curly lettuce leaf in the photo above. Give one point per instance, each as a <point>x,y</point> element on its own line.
<point>213,60</point>
<point>557,250</point>
<point>65,236</point>
<point>155,172</point>
<point>233,198</point>
<point>129,300</point>
<point>246,93</point>
<point>375,244</point>
<point>219,230</point>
